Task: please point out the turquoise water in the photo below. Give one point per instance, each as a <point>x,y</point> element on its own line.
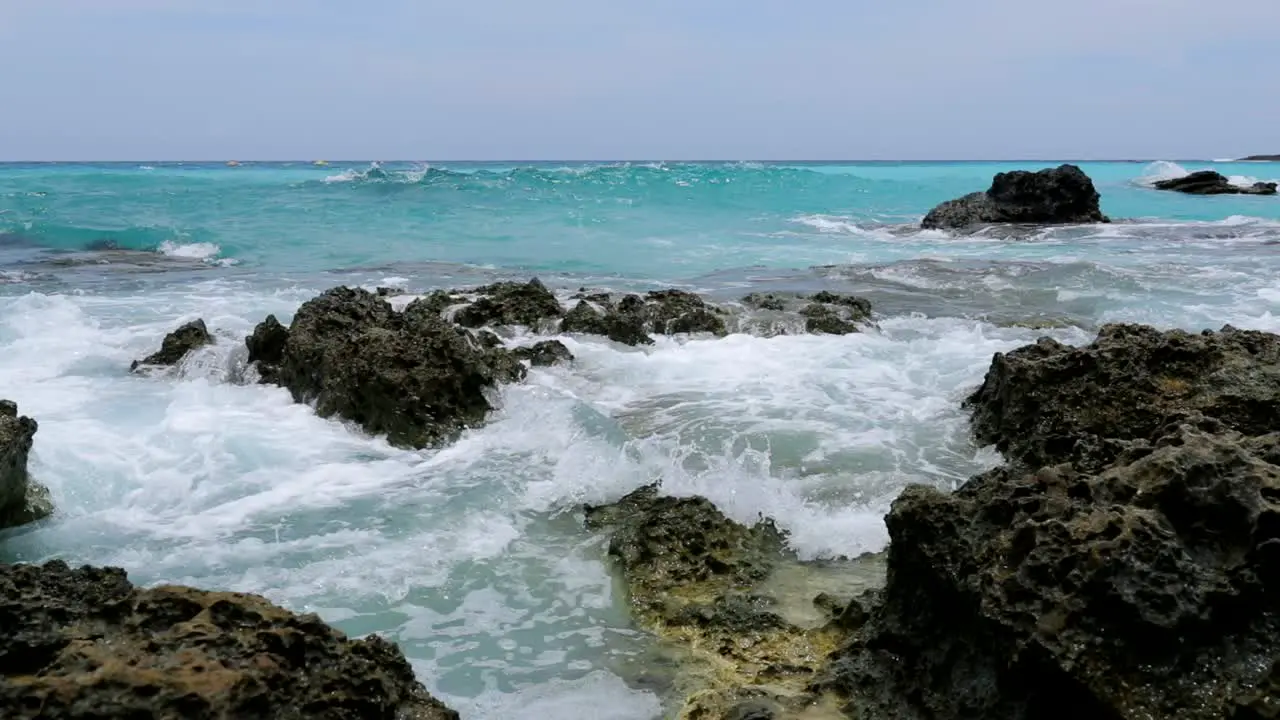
<point>471,557</point>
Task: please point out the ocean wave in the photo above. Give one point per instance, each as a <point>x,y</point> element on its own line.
<point>191,251</point>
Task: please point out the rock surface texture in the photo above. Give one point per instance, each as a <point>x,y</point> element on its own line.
<point>175,346</point>
<point>1061,195</point>
<point>1125,564</point>
<point>411,374</point>
<point>631,319</point>
<point>1209,182</point>
<point>21,500</point>
<point>84,643</point>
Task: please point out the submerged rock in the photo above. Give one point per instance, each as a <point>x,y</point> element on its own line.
<point>765,301</point>
<point>1061,195</point>
<point>21,499</point>
<point>1050,403</point>
<point>833,314</point>
<point>1209,182</point>
<point>1124,564</point>
<point>85,643</point>
<point>191,336</point>
<point>547,352</point>
<point>411,375</point>
<point>511,303</point>
<point>694,577</point>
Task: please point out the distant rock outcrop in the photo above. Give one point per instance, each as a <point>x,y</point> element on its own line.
<point>1062,195</point>
<point>85,643</point>
<point>175,346</point>
<point>411,374</point>
<point>21,500</point>
<point>1261,158</point>
<point>1209,182</point>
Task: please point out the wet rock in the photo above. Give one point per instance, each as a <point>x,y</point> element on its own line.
<point>545,353</point>
<point>694,577</point>
<point>824,319</point>
<point>765,301</point>
<point>631,320</point>
<point>511,303</point>
<point>411,375</point>
<point>859,308</point>
<point>85,643</point>
<point>191,336</point>
<point>1050,403</point>
<point>1145,591</point>
<point>389,292</point>
<point>676,311</point>
<point>1061,195</point>
<point>1209,182</point>
<point>21,499</point>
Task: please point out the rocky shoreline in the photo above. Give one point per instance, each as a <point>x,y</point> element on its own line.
<point>1123,563</point>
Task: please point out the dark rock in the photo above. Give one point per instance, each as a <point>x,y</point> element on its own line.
<point>103,245</point>
<point>1209,182</point>
<point>388,292</point>
<point>676,311</point>
<point>21,499</point>
<point>192,336</point>
<point>764,301</point>
<point>85,643</point>
<point>510,303</point>
<point>410,374</point>
<point>624,324</point>
<point>1062,195</point>
<point>859,307</point>
<point>266,347</point>
<point>1146,591</point>
<point>547,352</point>
<point>823,319</point>
<point>1050,403</point>
<point>1261,158</point>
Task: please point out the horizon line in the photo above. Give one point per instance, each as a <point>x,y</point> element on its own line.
<point>508,161</point>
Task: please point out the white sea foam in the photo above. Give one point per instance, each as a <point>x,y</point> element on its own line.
<point>194,251</point>
<point>1165,170</point>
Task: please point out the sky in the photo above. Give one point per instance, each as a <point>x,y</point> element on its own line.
<point>657,80</point>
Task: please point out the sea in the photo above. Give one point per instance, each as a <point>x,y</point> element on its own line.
<point>473,557</point>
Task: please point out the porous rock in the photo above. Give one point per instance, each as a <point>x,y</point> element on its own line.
<point>632,318</point>
<point>21,499</point>
<point>175,346</point>
<point>1061,195</point>
<point>1049,403</point>
<point>411,375</point>
<point>511,303</point>
<point>545,353</point>
<point>85,643</point>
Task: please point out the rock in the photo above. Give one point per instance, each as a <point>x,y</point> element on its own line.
<point>510,303</point>
<point>547,352</point>
<point>1062,195</point>
<point>1050,403</point>
<point>85,643</point>
<point>1209,182</point>
<point>765,301</point>
<point>411,375</point>
<point>694,577</point>
<point>21,499</point>
<point>266,347</point>
<point>632,318</point>
<point>833,314</point>
<point>676,311</point>
<point>388,291</point>
<point>1144,591</point>
<point>1261,158</point>
<point>191,336</point>
<point>859,307</point>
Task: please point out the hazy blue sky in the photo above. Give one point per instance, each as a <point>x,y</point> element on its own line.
<point>659,79</point>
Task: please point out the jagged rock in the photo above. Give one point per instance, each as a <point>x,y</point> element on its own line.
<point>191,336</point>
<point>1050,403</point>
<point>1209,182</point>
<point>676,311</point>
<point>411,374</point>
<point>1061,195</point>
<point>632,318</point>
<point>1147,591</point>
<point>765,301</point>
<point>21,499</point>
<point>833,314</point>
<point>511,303</point>
<point>693,578</point>
<point>547,352</point>
<point>84,643</point>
